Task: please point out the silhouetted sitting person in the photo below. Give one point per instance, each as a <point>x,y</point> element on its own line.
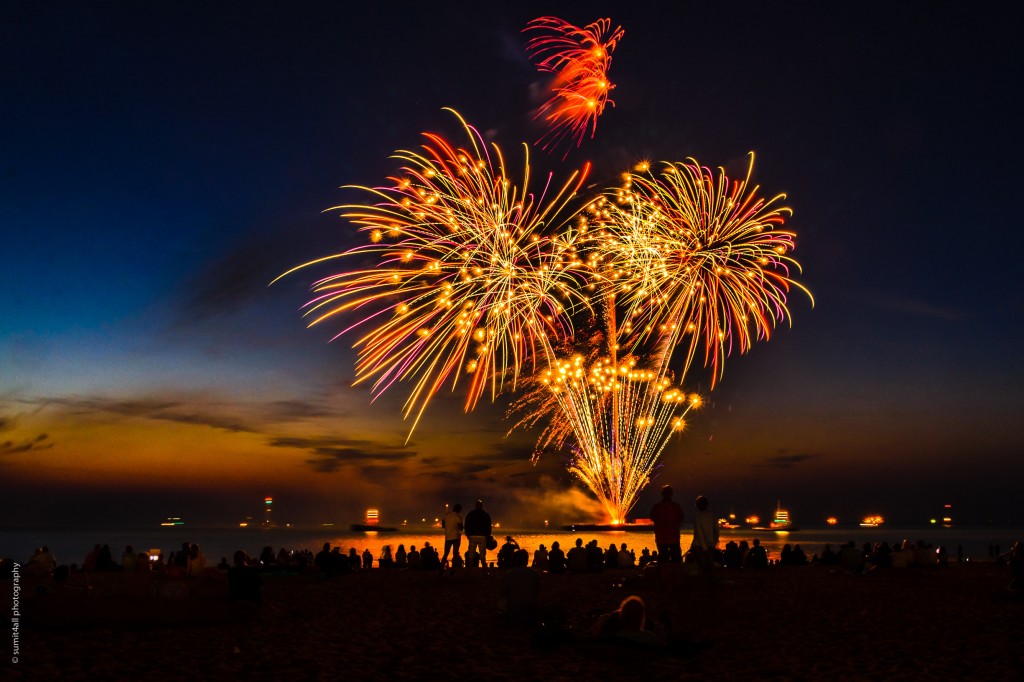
<point>105,560</point>
<point>556,559</point>
<point>626,557</point>
<point>128,559</point>
<point>323,560</point>
<point>415,560</point>
<point>792,556</point>
<point>244,583</point>
<point>181,558</point>
<point>429,558</point>
<point>645,558</point>
<point>540,558</point>
<point>595,557</point>
<point>733,557</point>
<point>756,557</point>
<point>577,558</point>
<point>520,587</point>
<point>611,556</point>
<point>627,625</point>
<point>881,555</point>
<point>196,562</point>
<point>850,558</point>
<point>507,551</point>
<point>340,563</point>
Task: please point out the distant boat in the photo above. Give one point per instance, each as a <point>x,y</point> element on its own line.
<point>173,521</point>
<point>781,523</point>
<point>372,523</point>
<point>730,521</point>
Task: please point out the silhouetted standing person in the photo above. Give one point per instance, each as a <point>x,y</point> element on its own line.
<point>1016,563</point>
<point>667,517</point>
<point>452,524</point>
<point>478,529</point>
<point>705,535</point>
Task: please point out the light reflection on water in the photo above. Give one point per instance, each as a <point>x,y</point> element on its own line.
<point>71,545</point>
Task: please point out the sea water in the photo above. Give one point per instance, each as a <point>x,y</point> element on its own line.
<point>70,545</point>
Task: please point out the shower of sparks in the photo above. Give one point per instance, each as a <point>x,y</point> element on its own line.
<point>615,418</point>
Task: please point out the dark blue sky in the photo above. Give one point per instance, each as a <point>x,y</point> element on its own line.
<point>162,162</point>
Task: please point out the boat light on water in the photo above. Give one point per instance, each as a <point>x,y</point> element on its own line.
<point>872,521</point>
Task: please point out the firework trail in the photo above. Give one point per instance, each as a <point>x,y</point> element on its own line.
<point>579,58</point>
<point>465,279</point>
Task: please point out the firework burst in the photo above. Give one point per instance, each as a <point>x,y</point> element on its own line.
<point>469,272</point>
<point>465,281</point>
<point>687,252</point>
<point>579,58</point>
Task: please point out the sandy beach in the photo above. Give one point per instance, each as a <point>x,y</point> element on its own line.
<point>783,623</point>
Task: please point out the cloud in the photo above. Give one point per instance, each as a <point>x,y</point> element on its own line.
<point>504,451</point>
<point>11,447</point>
<point>788,461</point>
<point>331,454</point>
<point>901,304</point>
<point>300,409</point>
<point>239,276</point>
<point>380,474</point>
<point>153,408</point>
<point>238,273</point>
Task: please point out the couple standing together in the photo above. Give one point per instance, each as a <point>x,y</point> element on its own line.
<point>667,517</point>
<point>477,527</point>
